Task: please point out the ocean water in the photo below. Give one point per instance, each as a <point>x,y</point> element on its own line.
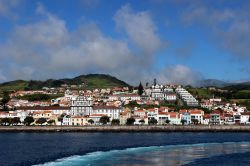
<point>123,149</point>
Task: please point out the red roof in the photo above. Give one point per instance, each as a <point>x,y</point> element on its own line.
<point>183,111</point>
<point>216,112</point>
<point>104,107</point>
<point>44,108</point>
<point>195,111</point>
<point>97,115</point>
<point>245,113</point>
<point>139,111</point>
<point>163,113</point>
<point>206,116</point>
<point>173,114</point>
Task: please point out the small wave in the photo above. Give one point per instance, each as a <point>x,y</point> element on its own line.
<point>167,155</point>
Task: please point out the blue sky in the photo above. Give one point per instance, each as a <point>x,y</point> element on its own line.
<point>174,41</point>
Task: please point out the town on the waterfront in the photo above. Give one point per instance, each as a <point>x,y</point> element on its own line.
<point>149,104</point>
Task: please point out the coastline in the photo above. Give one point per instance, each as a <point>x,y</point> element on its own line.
<point>166,128</point>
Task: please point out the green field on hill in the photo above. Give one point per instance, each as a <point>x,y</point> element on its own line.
<point>90,81</point>
<point>200,93</point>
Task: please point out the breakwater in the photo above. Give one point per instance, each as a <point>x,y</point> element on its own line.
<point>167,128</point>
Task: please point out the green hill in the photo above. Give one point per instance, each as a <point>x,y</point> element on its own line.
<point>90,81</point>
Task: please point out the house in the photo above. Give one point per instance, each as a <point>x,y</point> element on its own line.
<point>139,120</point>
<point>129,97</point>
<point>206,119</point>
<point>140,113</point>
<point>229,119</point>
<point>55,109</point>
<point>237,118</point>
<point>111,111</point>
<point>96,117</point>
<point>186,118</point>
<point>244,119</point>
<point>152,114</point>
<point>207,104</point>
<point>160,92</point>
<point>113,98</point>
<point>124,115</point>
<point>174,118</point>
<point>162,117</point>
<point>79,120</point>
<point>67,120</point>
<point>196,116</point>
<point>42,114</point>
<point>215,117</point>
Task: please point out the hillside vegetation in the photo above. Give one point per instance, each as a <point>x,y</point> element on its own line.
<point>90,81</point>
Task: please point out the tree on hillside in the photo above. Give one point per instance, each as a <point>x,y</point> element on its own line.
<point>130,121</point>
<point>104,119</point>
<point>115,122</point>
<point>28,120</point>
<point>5,100</point>
<point>140,89</point>
<point>132,104</point>
<point>41,121</point>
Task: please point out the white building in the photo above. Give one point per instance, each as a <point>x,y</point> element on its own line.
<point>81,105</point>
<point>186,97</point>
<point>196,114</point>
<point>244,118</point>
<point>160,92</point>
<point>110,111</point>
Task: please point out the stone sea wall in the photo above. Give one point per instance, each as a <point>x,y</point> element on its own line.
<point>167,128</point>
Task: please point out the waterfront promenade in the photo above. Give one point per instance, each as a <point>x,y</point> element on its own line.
<point>166,128</point>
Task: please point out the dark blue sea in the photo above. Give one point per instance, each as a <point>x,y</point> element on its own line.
<point>124,149</point>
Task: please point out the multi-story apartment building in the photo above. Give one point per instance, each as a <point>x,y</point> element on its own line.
<point>186,97</point>
<point>81,106</point>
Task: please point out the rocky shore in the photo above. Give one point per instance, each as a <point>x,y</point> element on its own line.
<point>199,128</point>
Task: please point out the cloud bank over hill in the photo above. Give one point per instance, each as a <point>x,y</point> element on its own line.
<point>46,48</point>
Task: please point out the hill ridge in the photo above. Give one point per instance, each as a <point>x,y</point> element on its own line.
<point>90,81</point>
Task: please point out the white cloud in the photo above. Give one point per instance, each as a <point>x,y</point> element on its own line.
<point>48,49</point>
<point>140,29</point>
<point>179,74</point>
<point>230,27</point>
<point>7,8</point>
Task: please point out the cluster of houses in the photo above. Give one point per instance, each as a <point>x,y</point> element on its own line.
<point>78,108</point>
<point>82,112</point>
